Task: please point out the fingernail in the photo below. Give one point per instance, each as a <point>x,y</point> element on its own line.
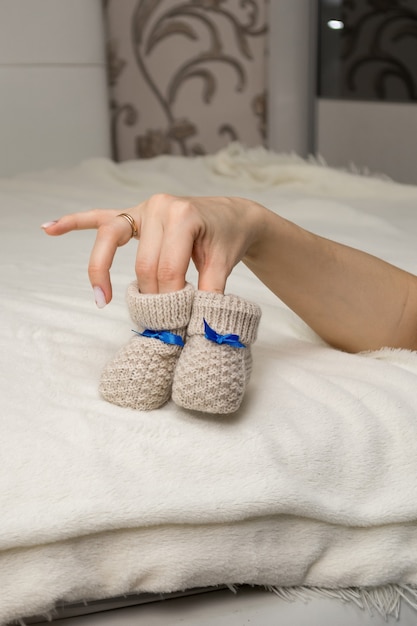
<point>99,297</point>
<point>48,224</point>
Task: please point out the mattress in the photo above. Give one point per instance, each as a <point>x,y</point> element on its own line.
<point>310,485</point>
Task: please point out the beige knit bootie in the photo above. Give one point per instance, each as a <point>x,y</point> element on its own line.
<point>214,368</point>
<point>140,375</point>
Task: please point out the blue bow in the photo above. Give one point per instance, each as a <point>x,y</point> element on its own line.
<point>162,335</point>
<point>230,340</point>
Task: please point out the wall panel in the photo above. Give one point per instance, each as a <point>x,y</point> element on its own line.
<point>54,98</point>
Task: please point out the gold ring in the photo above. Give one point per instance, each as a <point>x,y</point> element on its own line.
<point>131,221</point>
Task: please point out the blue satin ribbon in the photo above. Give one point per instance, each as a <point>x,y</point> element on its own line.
<point>162,335</point>
<point>229,340</point>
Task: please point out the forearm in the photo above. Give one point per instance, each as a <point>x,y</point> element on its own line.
<point>353,300</point>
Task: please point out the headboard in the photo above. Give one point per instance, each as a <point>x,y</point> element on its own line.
<point>54,103</point>
<point>186,77</point>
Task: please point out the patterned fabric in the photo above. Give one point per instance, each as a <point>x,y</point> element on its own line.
<point>186,77</point>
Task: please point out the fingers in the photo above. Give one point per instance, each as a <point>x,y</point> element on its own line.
<point>111,233</point>
<point>212,271</point>
<point>101,260</point>
<point>172,231</point>
<point>211,263</point>
<point>79,221</point>
<point>166,244</point>
<point>147,258</point>
<point>212,279</point>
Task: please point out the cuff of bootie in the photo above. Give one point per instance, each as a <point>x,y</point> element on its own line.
<point>160,311</point>
<point>225,314</point>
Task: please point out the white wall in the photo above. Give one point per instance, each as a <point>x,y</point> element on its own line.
<point>375,135</point>
<point>292,75</point>
<point>53,93</point>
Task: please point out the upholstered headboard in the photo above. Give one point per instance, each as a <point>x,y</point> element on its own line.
<point>186,77</point>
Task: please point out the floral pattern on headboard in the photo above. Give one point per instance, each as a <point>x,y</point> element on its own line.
<point>186,76</point>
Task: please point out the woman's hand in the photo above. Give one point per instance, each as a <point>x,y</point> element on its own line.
<point>353,300</point>
<point>215,232</point>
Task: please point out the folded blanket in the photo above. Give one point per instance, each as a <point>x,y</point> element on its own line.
<point>312,482</point>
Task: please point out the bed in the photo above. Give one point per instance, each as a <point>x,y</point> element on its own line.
<point>308,490</point>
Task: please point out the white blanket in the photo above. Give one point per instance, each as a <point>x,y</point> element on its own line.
<point>313,482</point>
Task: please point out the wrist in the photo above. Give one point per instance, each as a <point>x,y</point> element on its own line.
<point>261,226</point>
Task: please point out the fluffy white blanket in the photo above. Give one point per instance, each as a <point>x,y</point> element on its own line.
<point>313,482</point>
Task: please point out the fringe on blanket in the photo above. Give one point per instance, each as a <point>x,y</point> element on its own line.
<point>385,600</point>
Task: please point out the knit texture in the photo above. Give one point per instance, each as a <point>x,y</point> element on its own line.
<point>140,375</point>
<point>212,377</point>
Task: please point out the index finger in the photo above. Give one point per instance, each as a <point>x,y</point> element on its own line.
<point>79,221</point>
<point>111,234</point>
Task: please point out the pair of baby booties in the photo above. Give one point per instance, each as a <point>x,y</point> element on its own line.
<point>193,346</point>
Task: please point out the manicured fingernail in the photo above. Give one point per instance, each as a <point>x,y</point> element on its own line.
<point>99,297</point>
<point>48,224</point>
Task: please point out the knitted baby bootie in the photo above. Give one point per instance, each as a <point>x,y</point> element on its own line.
<point>214,368</point>
<point>140,375</point>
